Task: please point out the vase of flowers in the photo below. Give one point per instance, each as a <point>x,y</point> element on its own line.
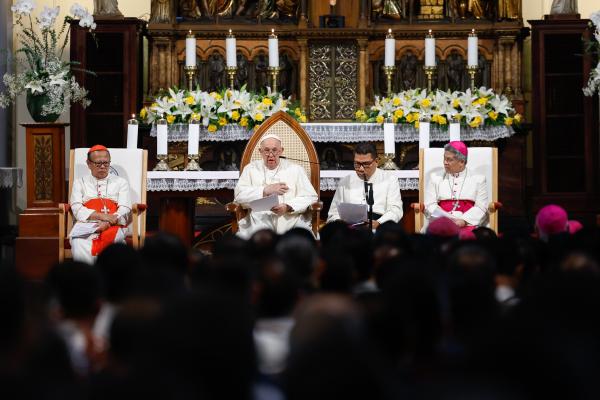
<point>593,48</point>
<point>42,74</point>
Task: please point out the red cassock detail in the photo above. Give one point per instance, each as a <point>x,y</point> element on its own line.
<point>107,237</point>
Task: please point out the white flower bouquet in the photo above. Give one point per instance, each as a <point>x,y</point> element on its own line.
<point>44,73</point>
<point>593,84</point>
<point>478,108</point>
<point>215,110</point>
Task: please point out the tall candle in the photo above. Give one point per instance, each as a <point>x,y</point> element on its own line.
<point>193,137</point>
<point>190,50</point>
<point>390,49</point>
<point>273,49</point>
<point>132,133</point>
<point>473,53</point>
<point>389,143</point>
<point>230,46</point>
<point>454,131</point>
<point>424,135</point>
<point>429,50</point>
<point>161,137</point>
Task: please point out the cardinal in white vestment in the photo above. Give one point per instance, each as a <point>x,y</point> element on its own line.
<point>458,191</point>
<point>102,198</point>
<point>269,176</point>
<point>387,202</point>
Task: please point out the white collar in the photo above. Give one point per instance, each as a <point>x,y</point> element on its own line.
<point>460,174</point>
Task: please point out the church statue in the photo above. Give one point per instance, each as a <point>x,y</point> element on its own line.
<point>241,77</point>
<point>477,8</point>
<point>455,71</point>
<point>106,8</point>
<point>216,71</point>
<point>509,9</point>
<point>161,12</point>
<point>189,9</point>
<point>213,8</point>
<point>278,9</point>
<point>392,9</point>
<point>564,7</point>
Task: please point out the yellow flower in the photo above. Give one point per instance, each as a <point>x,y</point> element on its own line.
<point>143,113</point>
<point>216,95</point>
<point>493,115</point>
<point>298,112</point>
<point>302,118</point>
<point>190,100</point>
<point>267,101</point>
<point>379,119</point>
<point>508,121</point>
<point>195,117</point>
<point>244,122</point>
<point>518,117</point>
<point>171,100</point>
<point>398,113</point>
<point>482,101</point>
<point>455,103</point>
<point>410,118</point>
<point>396,101</point>
<point>212,128</point>
<point>283,103</point>
<point>475,122</point>
<point>235,115</point>
<point>222,121</point>
<point>259,117</point>
<point>417,123</point>
<point>425,102</point>
<point>360,115</point>
<point>394,119</point>
<point>440,119</point>
<point>458,117</point>
<point>154,105</point>
<point>170,119</point>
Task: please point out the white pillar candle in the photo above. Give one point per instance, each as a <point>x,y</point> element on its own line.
<point>161,138</point>
<point>424,135</point>
<point>429,50</point>
<point>390,49</point>
<point>230,46</point>
<point>273,50</point>
<point>389,143</point>
<point>190,50</point>
<point>132,133</point>
<point>193,137</point>
<point>473,53</point>
<point>454,131</point>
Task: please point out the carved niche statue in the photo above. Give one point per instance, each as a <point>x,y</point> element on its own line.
<point>278,9</point>
<point>161,11</point>
<point>106,8</point>
<point>455,71</point>
<point>391,9</point>
<point>509,9</point>
<point>564,7</point>
<point>477,9</point>
<point>216,71</point>
<point>408,71</point>
<point>241,77</point>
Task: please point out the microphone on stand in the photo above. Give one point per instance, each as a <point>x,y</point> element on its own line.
<point>296,159</point>
<point>370,202</point>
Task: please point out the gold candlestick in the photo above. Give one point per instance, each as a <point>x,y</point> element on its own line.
<point>231,72</point>
<point>162,163</point>
<point>429,71</point>
<point>388,161</point>
<point>193,163</point>
<point>472,70</point>
<point>274,72</point>
<point>190,71</point>
<point>389,73</point>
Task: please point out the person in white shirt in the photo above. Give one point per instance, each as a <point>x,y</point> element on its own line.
<point>101,198</point>
<point>274,176</point>
<point>387,202</point>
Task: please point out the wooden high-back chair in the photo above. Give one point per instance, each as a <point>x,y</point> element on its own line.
<point>131,164</point>
<point>481,161</point>
<point>296,145</point>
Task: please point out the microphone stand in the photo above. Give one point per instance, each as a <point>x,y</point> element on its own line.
<point>370,201</point>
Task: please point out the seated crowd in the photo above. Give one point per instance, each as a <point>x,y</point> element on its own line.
<point>356,315</point>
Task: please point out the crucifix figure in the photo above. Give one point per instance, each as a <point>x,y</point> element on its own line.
<point>105,209</point>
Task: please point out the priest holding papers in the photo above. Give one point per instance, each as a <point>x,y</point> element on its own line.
<point>457,193</point>
<point>351,190</point>
<point>277,192</point>
<point>101,206</point>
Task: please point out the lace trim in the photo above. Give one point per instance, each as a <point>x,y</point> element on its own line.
<point>345,132</point>
<point>10,177</point>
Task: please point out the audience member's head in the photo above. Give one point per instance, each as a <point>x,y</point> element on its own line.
<point>119,266</point>
<point>76,286</point>
<point>443,227</point>
<point>551,220</point>
<point>574,226</point>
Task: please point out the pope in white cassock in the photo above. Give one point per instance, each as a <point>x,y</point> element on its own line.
<point>458,191</point>
<point>272,175</point>
<point>101,198</point>
<point>387,202</point>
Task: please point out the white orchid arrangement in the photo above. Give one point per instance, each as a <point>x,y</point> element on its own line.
<point>473,108</point>
<point>593,84</point>
<point>41,58</point>
<point>214,110</point>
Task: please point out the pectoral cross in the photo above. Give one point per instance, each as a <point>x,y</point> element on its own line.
<point>105,209</point>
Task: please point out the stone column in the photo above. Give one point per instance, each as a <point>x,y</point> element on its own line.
<point>303,43</point>
<point>363,79</point>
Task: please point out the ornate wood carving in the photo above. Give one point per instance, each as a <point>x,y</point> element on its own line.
<point>42,167</point>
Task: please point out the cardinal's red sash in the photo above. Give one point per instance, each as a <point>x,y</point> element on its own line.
<point>107,237</point>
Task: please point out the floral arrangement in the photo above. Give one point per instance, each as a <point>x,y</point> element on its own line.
<point>593,47</point>
<point>215,110</point>
<point>41,63</point>
<point>473,108</point>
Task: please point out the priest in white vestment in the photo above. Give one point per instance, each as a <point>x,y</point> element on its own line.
<point>387,202</point>
<point>103,199</point>
<point>457,193</point>
<point>274,176</point>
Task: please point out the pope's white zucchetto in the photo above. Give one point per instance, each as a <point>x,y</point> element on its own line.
<point>270,136</point>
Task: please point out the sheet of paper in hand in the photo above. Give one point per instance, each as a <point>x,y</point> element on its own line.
<point>83,229</point>
<point>265,203</point>
<point>352,213</point>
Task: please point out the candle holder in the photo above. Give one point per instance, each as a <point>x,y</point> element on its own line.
<point>429,71</point>
<point>193,163</point>
<point>472,70</point>
<point>389,71</point>
<point>162,163</point>
<point>231,72</point>
<point>274,72</point>
<point>388,161</point>
<point>190,71</point>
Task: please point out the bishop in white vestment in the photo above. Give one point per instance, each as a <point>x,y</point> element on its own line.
<point>458,191</point>
<point>274,176</point>
<point>101,198</point>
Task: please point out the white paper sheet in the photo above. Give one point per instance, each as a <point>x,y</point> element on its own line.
<point>352,213</point>
<point>264,204</point>
<point>83,229</point>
